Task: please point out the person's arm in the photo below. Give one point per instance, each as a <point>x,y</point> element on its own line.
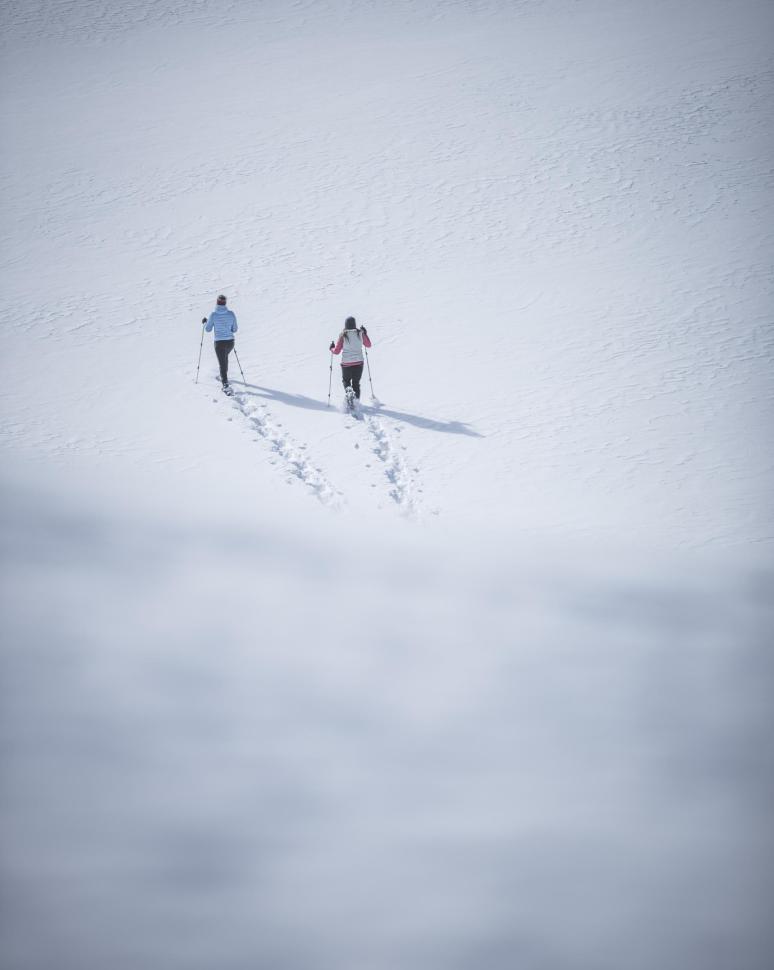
<point>234,325</point>
<point>366,338</point>
<point>210,323</point>
<point>338,347</point>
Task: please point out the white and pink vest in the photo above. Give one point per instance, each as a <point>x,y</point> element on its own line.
<point>351,347</point>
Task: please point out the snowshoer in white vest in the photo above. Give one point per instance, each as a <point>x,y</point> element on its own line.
<point>224,322</point>
<point>350,345</point>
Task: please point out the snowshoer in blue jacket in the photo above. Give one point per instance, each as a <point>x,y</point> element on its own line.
<point>224,323</point>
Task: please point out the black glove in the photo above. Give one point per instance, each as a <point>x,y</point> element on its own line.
<point>204,319</point>
<point>332,345</point>
<point>363,330</point>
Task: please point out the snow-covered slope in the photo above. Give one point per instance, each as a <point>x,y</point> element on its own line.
<point>477,680</point>
<point>554,218</point>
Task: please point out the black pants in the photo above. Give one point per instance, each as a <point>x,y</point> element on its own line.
<point>222,349</point>
<point>351,375</point>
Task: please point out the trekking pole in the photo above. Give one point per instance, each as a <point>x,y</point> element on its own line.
<point>240,366</point>
<point>369,373</point>
<point>204,320</point>
<point>330,380</point>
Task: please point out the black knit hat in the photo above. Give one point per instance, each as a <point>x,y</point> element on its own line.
<point>221,300</point>
<point>349,324</point>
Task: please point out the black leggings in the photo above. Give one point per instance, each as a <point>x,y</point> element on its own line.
<point>351,374</point>
<point>222,349</point>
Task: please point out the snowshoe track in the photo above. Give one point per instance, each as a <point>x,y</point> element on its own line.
<point>291,453</point>
<point>402,490</point>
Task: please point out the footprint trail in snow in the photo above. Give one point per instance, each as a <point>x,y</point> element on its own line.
<point>289,451</point>
<point>402,489</point>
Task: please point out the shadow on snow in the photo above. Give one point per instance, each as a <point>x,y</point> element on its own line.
<point>310,404</point>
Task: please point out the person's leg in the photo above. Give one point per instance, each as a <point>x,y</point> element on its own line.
<point>357,373</point>
<point>346,376</point>
<point>222,357</point>
<point>229,344</point>
<point>222,349</point>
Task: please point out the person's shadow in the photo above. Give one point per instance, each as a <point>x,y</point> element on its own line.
<point>310,404</point>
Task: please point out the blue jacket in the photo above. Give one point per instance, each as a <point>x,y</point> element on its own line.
<point>224,322</point>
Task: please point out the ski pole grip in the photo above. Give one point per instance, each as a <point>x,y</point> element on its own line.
<point>204,319</point>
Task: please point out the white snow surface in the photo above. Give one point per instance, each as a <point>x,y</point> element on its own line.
<point>479,677</point>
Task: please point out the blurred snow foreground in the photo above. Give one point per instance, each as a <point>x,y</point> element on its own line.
<point>487,760</point>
